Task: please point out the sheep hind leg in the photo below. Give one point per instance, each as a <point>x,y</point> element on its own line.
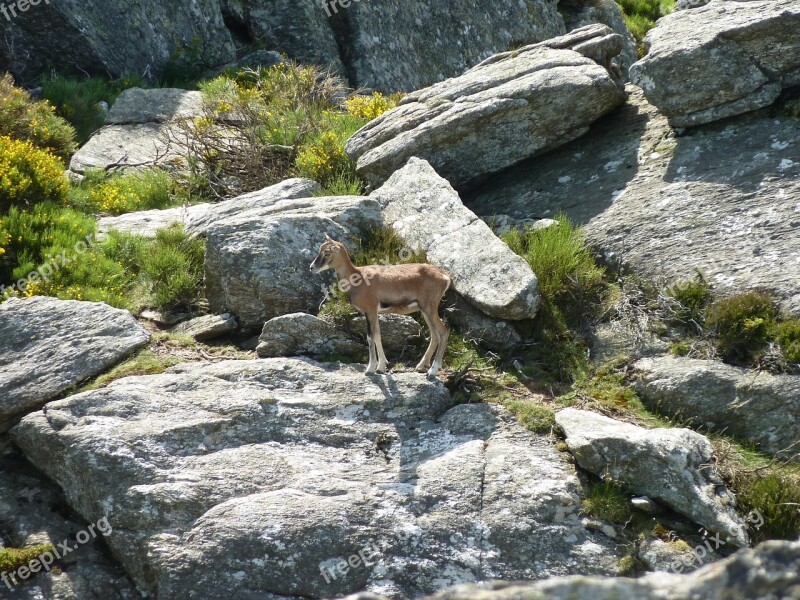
<point>425,364</point>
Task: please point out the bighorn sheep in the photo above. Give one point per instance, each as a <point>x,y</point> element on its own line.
<point>398,289</point>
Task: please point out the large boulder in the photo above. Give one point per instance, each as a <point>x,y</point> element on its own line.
<point>722,59</point>
<point>257,261</point>
<point>509,107</point>
<point>721,199</point>
<point>427,214</point>
<point>771,570</point>
<point>668,465</point>
<point>198,217</point>
<point>112,38</point>
<point>140,131</point>
<point>752,406</point>
<point>249,478</point>
<point>48,346</point>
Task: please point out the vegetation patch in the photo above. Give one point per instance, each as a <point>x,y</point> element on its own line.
<point>118,194</point>
<point>264,125</point>
<point>641,16</point>
<point>12,559</point>
<point>28,175</point>
<point>77,99</point>
<point>24,119</point>
<point>607,500</point>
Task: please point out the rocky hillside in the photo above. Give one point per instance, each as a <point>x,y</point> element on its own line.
<point>613,193</point>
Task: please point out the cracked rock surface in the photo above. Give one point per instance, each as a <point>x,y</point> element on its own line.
<point>256,479</point>
<point>722,59</point>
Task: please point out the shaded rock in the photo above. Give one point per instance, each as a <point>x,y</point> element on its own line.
<point>299,334</point>
<point>298,28</point>
<point>472,324</point>
<point>34,512</point>
<point>207,327</point>
<point>722,59</point>
<point>687,4</point>
<point>511,106</point>
<point>753,406</point>
<point>579,13</point>
<point>768,571</point>
<point>721,199</point>
<point>668,465</point>
<point>502,224</point>
<point>165,319</point>
<point>112,39</point>
<point>209,472</point>
<point>428,215</point>
<point>257,261</point>
<point>398,333</point>
<point>435,39</point>
<point>48,346</point>
<point>198,217</point>
<point>259,59</point>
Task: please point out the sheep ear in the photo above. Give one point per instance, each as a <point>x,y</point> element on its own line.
<point>328,238</point>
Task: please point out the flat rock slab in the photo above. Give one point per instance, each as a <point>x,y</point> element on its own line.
<point>510,107</point>
<point>753,406</point>
<point>245,478</point>
<point>198,217</point>
<point>428,215</point>
<point>767,571</point>
<point>159,105</point>
<point>668,465</point>
<point>257,261</point>
<point>48,346</point>
<point>722,59</point>
<point>724,198</point>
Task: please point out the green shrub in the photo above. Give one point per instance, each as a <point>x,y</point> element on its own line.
<point>692,299</point>
<point>534,417</point>
<point>607,500</point>
<point>77,100</point>
<point>571,283</point>
<point>28,175</point>
<point>173,265</point>
<point>743,325</point>
<point>24,119</point>
<point>47,230</point>
<point>775,494</point>
<point>787,334</point>
<point>124,193</point>
<point>371,107</point>
<point>640,16</point>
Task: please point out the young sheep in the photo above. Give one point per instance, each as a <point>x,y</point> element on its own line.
<point>398,289</point>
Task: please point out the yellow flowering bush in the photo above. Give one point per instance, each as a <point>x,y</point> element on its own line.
<point>28,175</point>
<point>127,193</point>
<point>371,107</point>
<point>22,118</point>
<point>323,157</point>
